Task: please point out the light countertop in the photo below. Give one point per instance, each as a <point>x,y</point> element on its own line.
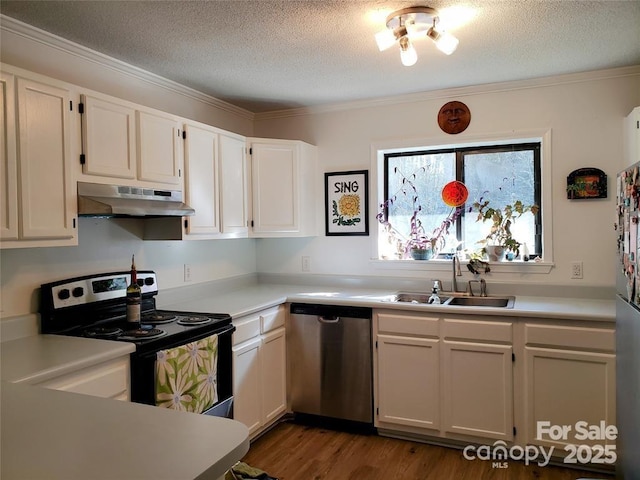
<point>49,434</point>
<point>250,299</point>
<point>38,358</point>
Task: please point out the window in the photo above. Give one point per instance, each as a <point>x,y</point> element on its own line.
<point>502,174</point>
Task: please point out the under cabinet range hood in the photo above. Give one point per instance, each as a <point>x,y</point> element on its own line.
<point>97,200</point>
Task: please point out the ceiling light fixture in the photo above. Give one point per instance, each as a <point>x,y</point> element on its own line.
<point>407,25</point>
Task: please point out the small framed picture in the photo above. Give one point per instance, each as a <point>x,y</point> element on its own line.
<point>346,202</point>
<point>586,183</point>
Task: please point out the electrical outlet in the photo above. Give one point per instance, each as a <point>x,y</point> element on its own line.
<point>576,269</point>
<point>306,263</point>
<point>187,272</point>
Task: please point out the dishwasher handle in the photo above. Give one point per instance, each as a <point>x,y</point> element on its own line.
<point>330,311</point>
<point>328,318</point>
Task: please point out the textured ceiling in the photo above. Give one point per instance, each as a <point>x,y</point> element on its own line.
<point>265,55</point>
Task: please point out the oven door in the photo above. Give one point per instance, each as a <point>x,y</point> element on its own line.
<point>194,376</point>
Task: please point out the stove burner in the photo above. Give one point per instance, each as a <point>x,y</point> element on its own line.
<point>191,320</point>
<point>157,318</point>
<point>103,332</point>
<point>143,334</point>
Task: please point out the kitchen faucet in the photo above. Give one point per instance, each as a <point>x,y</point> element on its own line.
<point>456,273</point>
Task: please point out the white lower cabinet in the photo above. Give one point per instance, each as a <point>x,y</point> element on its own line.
<point>108,380</point>
<point>486,378</point>
<point>570,384</point>
<point>477,378</point>
<point>408,372</point>
<point>259,369</point>
<point>441,377</point>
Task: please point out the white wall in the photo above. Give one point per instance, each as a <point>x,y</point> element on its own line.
<point>106,245</point>
<point>584,113</point>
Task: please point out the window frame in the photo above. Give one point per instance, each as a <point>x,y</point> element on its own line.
<point>434,144</point>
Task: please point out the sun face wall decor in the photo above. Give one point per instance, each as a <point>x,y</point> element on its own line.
<point>454,117</point>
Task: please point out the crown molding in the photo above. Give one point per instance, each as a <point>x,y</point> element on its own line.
<point>35,34</point>
<point>456,92</point>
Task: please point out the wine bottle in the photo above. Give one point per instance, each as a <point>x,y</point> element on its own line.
<point>134,297</point>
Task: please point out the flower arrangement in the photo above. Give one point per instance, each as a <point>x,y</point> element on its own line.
<point>502,220</point>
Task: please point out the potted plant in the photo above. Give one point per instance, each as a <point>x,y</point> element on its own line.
<point>417,244</point>
<point>500,240</point>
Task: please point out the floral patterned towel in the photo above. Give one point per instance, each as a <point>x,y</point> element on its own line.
<point>186,376</point>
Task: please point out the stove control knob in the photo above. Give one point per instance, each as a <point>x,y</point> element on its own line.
<point>149,281</point>
<point>140,282</point>
<point>78,292</point>
<point>64,294</point>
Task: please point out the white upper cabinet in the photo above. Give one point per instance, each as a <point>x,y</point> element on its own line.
<point>233,185</point>
<point>108,138</point>
<point>159,147</point>
<point>39,207</point>
<point>215,183</point>
<point>126,143</point>
<point>201,179</point>
<point>8,168</point>
<point>632,137</point>
<point>283,188</point>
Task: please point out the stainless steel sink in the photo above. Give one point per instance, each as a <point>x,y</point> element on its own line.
<point>457,300</point>
<point>500,302</point>
<point>409,297</point>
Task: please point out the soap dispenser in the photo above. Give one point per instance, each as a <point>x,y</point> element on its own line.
<point>434,299</point>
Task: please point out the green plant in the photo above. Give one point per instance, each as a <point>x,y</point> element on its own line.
<point>502,220</point>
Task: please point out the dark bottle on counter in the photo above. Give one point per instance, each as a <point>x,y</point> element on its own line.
<point>134,297</point>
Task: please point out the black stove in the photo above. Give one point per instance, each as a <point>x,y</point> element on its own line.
<point>94,306</point>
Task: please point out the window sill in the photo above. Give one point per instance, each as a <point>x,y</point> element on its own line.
<point>445,265</point>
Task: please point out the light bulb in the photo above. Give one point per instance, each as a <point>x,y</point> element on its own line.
<point>385,39</point>
<point>408,54</point>
<point>445,42</point>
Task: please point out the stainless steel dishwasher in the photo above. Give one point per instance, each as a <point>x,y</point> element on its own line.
<point>331,362</point>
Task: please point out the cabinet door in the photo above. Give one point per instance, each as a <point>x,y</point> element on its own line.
<point>201,179</point>
<point>233,185</point>
<point>108,380</point>
<point>159,146</point>
<point>274,176</point>
<point>247,404</point>
<point>408,381</point>
<point>564,387</point>
<point>274,377</point>
<point>46,187</point>
<point>109,138</point>
<point>8,165</point>
<point>632,137</point>
<point>478,389</point>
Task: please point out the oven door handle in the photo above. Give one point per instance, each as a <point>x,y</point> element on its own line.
<point>226,330</point>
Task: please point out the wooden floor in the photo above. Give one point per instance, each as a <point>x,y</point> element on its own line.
<point>295,452</point>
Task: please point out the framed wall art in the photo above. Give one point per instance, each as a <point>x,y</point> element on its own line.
<point>346,202</point>
<point>586,183</point>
